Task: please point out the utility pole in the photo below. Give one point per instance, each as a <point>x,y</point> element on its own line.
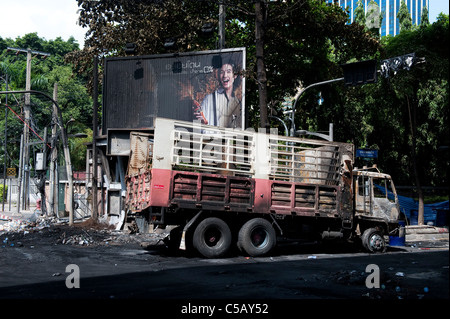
<point>5,150</point>
<point>260,24</point>
<point>65,147</point>
<point>53,157</point>
<point>26,133</point>
<point>94,142</point>
<point>221,26</point>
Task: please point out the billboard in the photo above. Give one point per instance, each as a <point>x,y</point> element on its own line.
<point>205,86</point>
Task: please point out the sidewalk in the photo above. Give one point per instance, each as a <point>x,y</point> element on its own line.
<point>8,215</point>
<point>425,232</point>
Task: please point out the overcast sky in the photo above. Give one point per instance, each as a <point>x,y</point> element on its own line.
<point>58,18</point>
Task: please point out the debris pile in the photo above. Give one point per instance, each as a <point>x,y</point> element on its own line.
<point>83,239</point>
<point>53,231</point>
<point>33,223</point>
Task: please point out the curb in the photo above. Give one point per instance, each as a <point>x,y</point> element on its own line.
<point>9,218</point>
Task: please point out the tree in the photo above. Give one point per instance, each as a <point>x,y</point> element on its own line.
<point>73,98</point>
<point>374,18</point>
<point>408,110</point>
<point>424,20</point>
<point>404,17</point>
<point>287,42</point>
<point>359,14</point>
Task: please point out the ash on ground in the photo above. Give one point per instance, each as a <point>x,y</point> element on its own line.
<point>51,231</point>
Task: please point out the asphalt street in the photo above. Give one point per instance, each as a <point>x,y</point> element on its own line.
<point>113,266</point>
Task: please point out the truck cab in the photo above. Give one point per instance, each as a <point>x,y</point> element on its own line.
<point>375,203</point>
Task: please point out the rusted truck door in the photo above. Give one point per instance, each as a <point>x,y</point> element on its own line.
<point>385,202</point>
<point>363,198</point>
<point>376,196</point>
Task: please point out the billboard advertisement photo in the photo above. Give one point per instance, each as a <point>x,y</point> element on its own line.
<point>205,86</point>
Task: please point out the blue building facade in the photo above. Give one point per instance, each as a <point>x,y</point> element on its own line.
<point>389,9</point>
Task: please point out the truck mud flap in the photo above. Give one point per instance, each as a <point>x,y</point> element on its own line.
<point>186,228</point>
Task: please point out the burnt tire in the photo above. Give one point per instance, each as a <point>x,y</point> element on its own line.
<point>373,241</point>
<point>212,237</point>
<point>256,237</point>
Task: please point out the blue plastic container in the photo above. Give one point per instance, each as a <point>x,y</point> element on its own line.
<point>442,217</point>
<point>399,238</point>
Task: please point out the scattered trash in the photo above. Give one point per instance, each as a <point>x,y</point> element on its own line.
<point>56,274</point>
<point>79,239</point>
<point>400,274</point>
<point>23,226</point>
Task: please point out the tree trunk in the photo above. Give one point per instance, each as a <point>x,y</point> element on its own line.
<point>260,24</point>
<point>412,126</point>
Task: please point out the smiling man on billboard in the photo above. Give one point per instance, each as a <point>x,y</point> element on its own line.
<point>223,106</point>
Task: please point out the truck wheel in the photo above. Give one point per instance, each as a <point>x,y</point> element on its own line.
<point>257,237</point>
<point>212,237</point>
<point>373,241</point>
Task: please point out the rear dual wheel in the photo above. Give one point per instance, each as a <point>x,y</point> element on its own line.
<point>212,237</point>
<point>257,237</point>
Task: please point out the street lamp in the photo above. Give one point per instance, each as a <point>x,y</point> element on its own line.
<point>300,94</point>
<point>328,137</point>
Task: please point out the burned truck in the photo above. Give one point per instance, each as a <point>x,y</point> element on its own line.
<point>221,188</point>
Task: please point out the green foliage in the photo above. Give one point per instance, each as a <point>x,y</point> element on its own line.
<point>72,96</point>
<point>3,191</point>
<point>405,117</point>
<point>404,17</point>
<point>409,110</point>
<point>299,37</point>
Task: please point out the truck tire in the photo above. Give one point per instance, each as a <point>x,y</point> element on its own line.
<point>373,241</point>
<point>256,237</point>
<point>212,237</point>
